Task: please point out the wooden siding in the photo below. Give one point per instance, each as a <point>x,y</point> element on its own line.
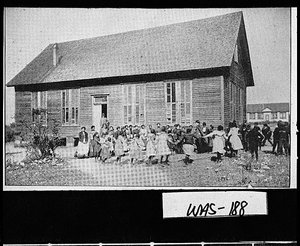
<point>54,105</point>
<point>22,107</point>
<point>114,104</point>
<point>155,103</point>
<point>207,106</point>
<point>237,80</point>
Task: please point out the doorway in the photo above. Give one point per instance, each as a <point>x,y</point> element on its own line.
<point>99,111</point>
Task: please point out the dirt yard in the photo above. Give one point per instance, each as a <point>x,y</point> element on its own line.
<point>269,171</point>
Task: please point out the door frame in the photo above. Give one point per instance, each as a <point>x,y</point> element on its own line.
<point>99,95</point>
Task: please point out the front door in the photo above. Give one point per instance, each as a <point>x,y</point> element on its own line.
<point>267,117</point>
<point>99,111</point>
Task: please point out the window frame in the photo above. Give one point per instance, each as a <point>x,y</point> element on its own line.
<point>282,115</point>
<point>178,102</point>
<point>250,116</point>
<point>70,110</point>
<point>36,103</point>
<point>134,102</point>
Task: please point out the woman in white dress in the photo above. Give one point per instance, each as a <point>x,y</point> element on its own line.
<point>83,144</point>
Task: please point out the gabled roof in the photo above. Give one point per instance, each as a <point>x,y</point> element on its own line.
<point>200,44</point>
<point>274,107</point>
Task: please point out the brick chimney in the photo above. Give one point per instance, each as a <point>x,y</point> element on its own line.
<point>55,56</point>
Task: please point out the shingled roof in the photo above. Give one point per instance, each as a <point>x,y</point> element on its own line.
<point>274,107</point>
<point>200,44</point>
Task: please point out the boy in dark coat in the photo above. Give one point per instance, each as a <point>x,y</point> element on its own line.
<point>276,137</point>
<point>253,138</point>
<point>283,136</point>
<point>266,131</point>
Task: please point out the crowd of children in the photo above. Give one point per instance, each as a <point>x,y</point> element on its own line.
<point>154,145</point>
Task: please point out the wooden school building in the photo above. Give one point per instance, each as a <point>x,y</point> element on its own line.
<point>179,73</point>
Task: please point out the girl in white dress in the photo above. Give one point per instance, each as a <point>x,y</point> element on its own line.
<point>234,139</point>
<point>150,149</point>
<point>219,137</point>
<point>162,145</point>
<point>119,148</point>
<point>135,152</point>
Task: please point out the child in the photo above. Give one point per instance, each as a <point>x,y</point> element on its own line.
<point>162,145</point>
<point>104,154</point>
<point>144,133</point>
<point>97,145</point>
<point>235,140</point>
<point>218,142</point>
<point>135,151</point>
<point>150,150</point>
<point>253,138</point>
<point>171,142</point>
<point>119,148</point>
<point>110,144</point>
<point>188,145</point>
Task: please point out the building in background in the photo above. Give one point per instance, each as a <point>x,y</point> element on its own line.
<point>271,112</point>
<point>179,73</point>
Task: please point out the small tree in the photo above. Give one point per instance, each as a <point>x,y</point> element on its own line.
<point>42,137</point>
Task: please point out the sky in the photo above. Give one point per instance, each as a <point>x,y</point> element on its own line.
<point>27,31</point>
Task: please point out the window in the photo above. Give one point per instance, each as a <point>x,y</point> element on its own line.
<point>39,106</point>
<point>274,116</point>
<point>241,105</point>
<point>178,102</point>
<point>252,116</point>
<point>134,101</point>
<point>282,115</point>
<point>70,106</point>
<point>232,100</point>
<point>236,54</point>
<point>171,102</point>
<point>260,116</point>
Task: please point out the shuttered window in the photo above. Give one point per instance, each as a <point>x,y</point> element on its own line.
<point>134,101</point>
<point>178,102</point>
<point>39,107</point>
<point>70,106</point>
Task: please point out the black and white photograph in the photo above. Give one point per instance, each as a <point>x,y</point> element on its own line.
<point>140,126</point>
<point>149,98</point>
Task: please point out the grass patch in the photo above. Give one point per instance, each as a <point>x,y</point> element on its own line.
<point>45,174</point>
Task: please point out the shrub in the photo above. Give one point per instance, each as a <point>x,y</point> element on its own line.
<point>9,134</point>
<point>42,139</point>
